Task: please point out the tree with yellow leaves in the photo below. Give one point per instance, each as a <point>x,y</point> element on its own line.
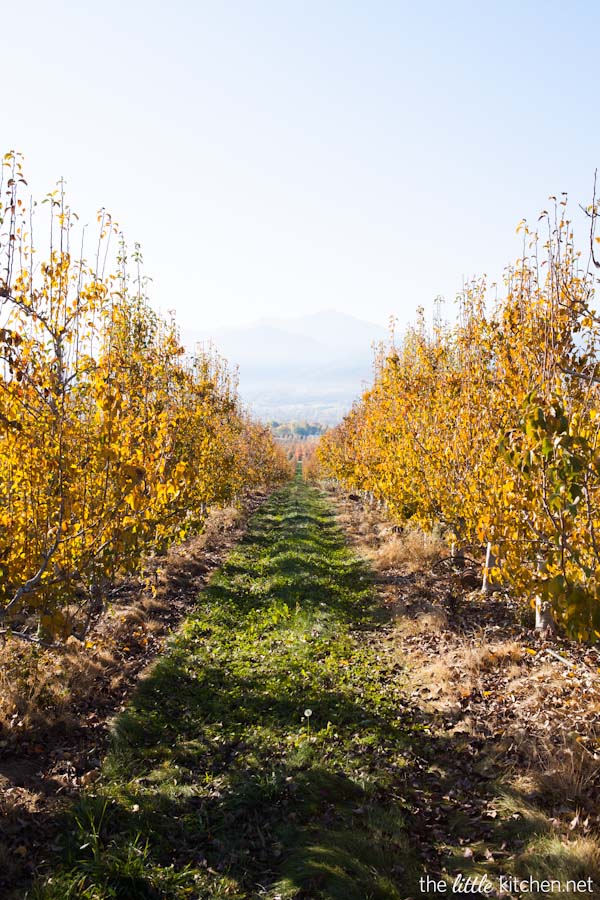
<point>114,442</point>
<point>490,427</point>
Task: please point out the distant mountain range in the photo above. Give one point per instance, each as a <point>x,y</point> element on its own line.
<point>306,367</point>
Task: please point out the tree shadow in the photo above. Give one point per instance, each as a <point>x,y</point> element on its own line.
<point>296,820</point>
<point>220,785</point>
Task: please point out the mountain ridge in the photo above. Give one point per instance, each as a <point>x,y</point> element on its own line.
<point>312,366</point>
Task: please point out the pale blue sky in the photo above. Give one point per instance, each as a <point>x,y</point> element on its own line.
<point>293,156</point>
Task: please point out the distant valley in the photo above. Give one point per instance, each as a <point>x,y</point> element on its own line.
<point>306,367</point>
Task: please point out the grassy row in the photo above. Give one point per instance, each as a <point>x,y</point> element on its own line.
<point>221,784</point>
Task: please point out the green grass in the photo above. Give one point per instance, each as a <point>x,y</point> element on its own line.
<point>219,785</point>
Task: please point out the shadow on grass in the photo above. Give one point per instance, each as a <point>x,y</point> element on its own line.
<point>270,754</point>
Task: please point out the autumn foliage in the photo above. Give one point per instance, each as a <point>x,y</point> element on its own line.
<point>114,441</point>
<point>490,426</point>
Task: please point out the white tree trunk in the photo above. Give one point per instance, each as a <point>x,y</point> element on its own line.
<point>490,561</point>
<point>543,612</point>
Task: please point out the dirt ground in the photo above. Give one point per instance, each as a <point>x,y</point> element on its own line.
<point>526,706</point>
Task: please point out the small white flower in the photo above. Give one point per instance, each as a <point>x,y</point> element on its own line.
<point>308,713</point>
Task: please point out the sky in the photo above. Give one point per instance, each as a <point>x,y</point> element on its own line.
<point>276,157</point>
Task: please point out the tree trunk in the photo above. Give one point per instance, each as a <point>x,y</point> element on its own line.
<point>543,615</point>
<point>543,611</point>
<point>488,585</point>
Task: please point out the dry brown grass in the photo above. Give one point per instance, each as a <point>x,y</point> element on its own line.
<point>480,673</point>
<point>565,772</point>
<point>487,657</point>
<point>39,686</point>
<point>345,519</point>
<point>359,519</point>
<point>438,681</point>
<point>411,551</point>
<point>152,606</point>
<point>561,766</point>
<point>221,521</point>
<point>366,523</point>
<point>388,546</point>
<point>42,687</point>
<point>364,528</point>
<point>425,619</point>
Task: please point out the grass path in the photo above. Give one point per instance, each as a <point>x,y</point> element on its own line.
<point>220,783</point>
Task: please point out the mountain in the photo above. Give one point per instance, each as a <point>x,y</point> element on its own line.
<point>304,367</point>
<point>333,329</point>
<point>260,343</point>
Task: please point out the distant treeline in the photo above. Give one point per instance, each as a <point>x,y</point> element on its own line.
<point>297,429</point>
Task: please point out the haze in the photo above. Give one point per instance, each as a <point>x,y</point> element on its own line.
<point>279,158</point>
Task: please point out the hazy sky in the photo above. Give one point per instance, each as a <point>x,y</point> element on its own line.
<point>284,156</point>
